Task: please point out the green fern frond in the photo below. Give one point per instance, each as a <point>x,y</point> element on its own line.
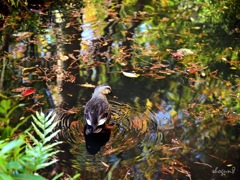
<point>50,146</point>
<point>43,165</point>
<point>51,118</point>
<point>42,150</point>
<point>47,139</point>
<point>39,133</point>
<point>21,159</point>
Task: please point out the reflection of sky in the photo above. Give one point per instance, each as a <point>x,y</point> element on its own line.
<point>50,38</point>
<point>47,39</point>
<point>163,118</point>
<point>87,33</point>
<point>143,27</point>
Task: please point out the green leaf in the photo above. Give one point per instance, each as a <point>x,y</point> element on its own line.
<point>49,122</point>
<point>14,166</point>
<point>4,120</point>
<point>51,136</point>
<point>43,165</point>
<point>33,138</point>
<point>38,122</point>
<point>3,163</point>
<point>50,146</point>
<point>5,177</point>
<point>41,135</point>
<point>7,132</point>
<point>41,117</point>
<point>5,105</point>
<point>11,110</point>
<point>20,124</point>
<point>49,154</point>
<point>11,145</point>
<point>27,177</point>
<point>50,128</point>
<point>57,176</point>
<point>76,176</point>
<point>149,7</point>
<point>32,152</point>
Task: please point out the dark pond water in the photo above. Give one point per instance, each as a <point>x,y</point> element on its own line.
<point>173,66</point>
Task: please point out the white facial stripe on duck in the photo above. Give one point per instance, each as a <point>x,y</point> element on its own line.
<point>102,90</point>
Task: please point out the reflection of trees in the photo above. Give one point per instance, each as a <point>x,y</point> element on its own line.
<point>103,45</point>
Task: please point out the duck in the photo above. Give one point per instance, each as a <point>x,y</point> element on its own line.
<point>97,112</point>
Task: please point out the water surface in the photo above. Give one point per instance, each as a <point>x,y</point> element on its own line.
<point>175,71</point>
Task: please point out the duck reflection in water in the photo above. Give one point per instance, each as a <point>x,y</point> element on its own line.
<point>97,114</point>
<point>94,141</point>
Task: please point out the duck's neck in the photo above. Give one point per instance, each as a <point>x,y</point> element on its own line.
<point>99,95</point>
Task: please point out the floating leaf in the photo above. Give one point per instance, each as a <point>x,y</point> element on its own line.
<point>28,91</point>
<point>234,68</point>
<point>106,165</point>
<point>23,34</point>
<point>25,91</point>
<point>20,89</point>
<point>196,27</point>
<point>185,51</point>
<point>87,85</point>
<point>192,71</point>
<point>131,75</point>
<point>176,54</point>
<point>63,57</point>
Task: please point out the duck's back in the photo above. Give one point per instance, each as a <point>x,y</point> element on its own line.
<point>96,109</point>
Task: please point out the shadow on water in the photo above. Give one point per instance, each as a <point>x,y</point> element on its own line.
<point>95,141</point>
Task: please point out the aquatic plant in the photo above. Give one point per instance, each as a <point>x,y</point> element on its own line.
<point>6,111</point>
<point>23,156</point>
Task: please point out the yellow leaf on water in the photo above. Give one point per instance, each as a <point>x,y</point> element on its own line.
<point>106,165</point>
<point>196,27</point>
<point>131,75</point>
<point>63,57</point>
<point>22,118</point>
<point>87,85</point>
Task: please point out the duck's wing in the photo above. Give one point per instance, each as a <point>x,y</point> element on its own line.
<point>104,113</point>
<point>96,112</point>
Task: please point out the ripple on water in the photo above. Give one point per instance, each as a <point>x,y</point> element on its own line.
<point>134,137</point>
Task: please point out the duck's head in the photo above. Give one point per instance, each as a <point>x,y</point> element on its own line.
<point>102,89</point>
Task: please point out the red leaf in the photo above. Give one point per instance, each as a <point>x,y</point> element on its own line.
<point>28,91</point>
<point>192,71</point>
